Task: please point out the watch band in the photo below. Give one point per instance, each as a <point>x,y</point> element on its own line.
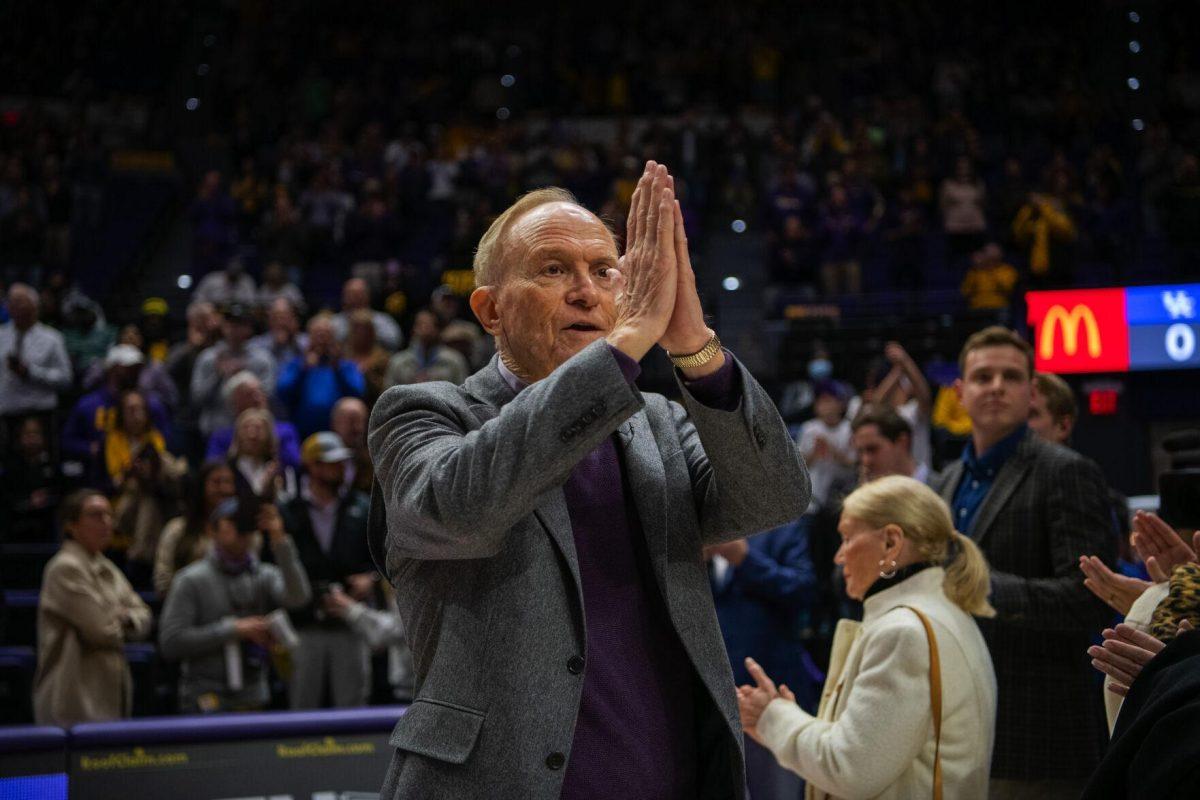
<point>699,358</point>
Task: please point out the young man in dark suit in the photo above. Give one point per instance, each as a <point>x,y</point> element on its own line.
<point>1033,507</point>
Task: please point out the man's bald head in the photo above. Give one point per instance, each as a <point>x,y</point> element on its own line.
<point>349,421</point>
<point>355,295</point>
<point>493,249</point>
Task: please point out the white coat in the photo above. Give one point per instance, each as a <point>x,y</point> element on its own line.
<point>874,734</point>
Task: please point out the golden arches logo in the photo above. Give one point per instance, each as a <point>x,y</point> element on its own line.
<point>1080,316</point>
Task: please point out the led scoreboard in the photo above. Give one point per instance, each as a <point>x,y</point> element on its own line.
<point>1116,330</point>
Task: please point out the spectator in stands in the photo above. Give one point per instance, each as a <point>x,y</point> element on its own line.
<point>35,366</point>
<point>990,281</point>
<point>356,295</point>
<point>249,192</point>
<point>227,287</point>
<point>31,484</point>
<point>146,490</point>
<point>203,324</point>
<point>283,339</point>
<point>763,588</point>
<point>310,386</point>
<point>215,617</point>
<point>917,653</point>
<point>1035,508</point>
<point>94,415</point>
<point>254,457</point>
<point>825,442</point>
<point>363,349</point>
<point>380,629</point>
<point>153,379</point>
<point>214,228</point>
<point>221,362</point>
<point>905,389</point>
<point>155,328</point>
<point>1045,229</point>
<point>349,421</point>
<point>426,359</point>
<point>883,441</point>
<point>185,539</point>
<point>906,232</point>
<point>1052,409</point>
<point>276,286</point>
<point>329,528</point>
<point>86,334</point>
<point>467,339</point>
<point>284,237</point>
<point>243,392</point>
<point>86,612</point>
<point>962,199</point>
<point>840,232</point>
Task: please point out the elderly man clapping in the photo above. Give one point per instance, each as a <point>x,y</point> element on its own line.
<point>545,521</point>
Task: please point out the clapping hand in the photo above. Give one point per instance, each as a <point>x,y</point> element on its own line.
<point>1119,591</point>
<point>1160,546</point>
<point>753,700</point>
<point>1125,653</point>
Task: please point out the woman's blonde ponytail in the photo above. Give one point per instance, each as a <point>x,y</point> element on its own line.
<point>968,581</point>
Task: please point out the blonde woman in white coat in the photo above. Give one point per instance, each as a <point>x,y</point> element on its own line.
<point>874,734</point>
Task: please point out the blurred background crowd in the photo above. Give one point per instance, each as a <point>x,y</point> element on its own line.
<point>224,232</point>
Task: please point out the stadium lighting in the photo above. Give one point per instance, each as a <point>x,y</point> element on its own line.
<point>1135,46</point>
<point>738,226</point>
<point>193,103</point>
<point>1134,84</point>
<point>507,81</point>
<point>502,113</point>
<point>184,282</point>
<point>1135,17</point>
<point>731,283</point>
<point>1138,124</point>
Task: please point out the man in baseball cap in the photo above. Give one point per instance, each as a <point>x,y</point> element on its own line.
<point>328,522</point>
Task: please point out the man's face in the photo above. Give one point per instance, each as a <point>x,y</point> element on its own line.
<point>229,541</point>
<point>22,310</point>
<point>248,395</point>
<point>350,423</point>
<point>331,475</point>
<point>425,328</point>
<point>320,335</point>
<point>996,388</point>
<point>1043,423</point>
<point>558,291</point>
<point>879,456</point>
<point>282,318</point>
<point>354,295</point>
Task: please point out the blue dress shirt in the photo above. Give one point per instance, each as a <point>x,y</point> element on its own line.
<point>979,473</point>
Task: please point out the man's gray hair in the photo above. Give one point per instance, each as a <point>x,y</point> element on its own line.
<point>235,381</point>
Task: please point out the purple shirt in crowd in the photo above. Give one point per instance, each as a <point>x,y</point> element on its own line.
<point>635,734</point>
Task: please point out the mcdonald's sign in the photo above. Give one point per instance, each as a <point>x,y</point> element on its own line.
<point>1080,331</point>
<point>1115,330</point>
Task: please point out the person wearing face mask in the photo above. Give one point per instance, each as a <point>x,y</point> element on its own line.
<point>544,523</point>
<point>909,704</point>
<point>87,611</point>
<point>825,442</point>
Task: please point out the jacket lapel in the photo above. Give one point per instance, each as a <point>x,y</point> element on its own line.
<point>647,481</point>
<point>950,477</point>
<point>1007,481</point>
<point>489,387</point>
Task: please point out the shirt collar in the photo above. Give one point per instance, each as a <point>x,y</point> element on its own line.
<point>514,383</point>
<point>991,461</point>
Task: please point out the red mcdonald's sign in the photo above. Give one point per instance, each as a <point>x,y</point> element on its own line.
<point>1081,330</point>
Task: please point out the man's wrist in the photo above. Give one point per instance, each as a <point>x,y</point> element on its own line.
<point>630,342</point>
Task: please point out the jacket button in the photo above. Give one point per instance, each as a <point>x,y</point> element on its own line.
<point>556,760</point>
<point>575,665</point>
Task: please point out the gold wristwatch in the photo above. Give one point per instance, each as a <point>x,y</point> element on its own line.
<point>699,358</point>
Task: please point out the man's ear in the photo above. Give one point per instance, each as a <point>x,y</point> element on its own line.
<point>483,303</point>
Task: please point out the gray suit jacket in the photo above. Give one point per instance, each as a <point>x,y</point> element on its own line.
<point>478,544</point>
<point>1047,507</point>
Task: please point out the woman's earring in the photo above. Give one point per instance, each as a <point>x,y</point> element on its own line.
<point>892,570</point>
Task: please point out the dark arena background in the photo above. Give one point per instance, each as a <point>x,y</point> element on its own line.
<point>204,204</point>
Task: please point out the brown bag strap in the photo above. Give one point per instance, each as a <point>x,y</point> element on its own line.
<point>935,701</point>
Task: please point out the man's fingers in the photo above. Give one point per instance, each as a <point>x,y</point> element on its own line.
<point>648,226</point>
<point>760,677</point>
<point>682,257</point>
<point>1129,660</point>
<point>1155,570</point>
<point>1117,688</point>
<point>634,219</point>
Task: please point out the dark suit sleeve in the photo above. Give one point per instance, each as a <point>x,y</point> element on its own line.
<point>1076,514</point>
<point>782,571</point>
